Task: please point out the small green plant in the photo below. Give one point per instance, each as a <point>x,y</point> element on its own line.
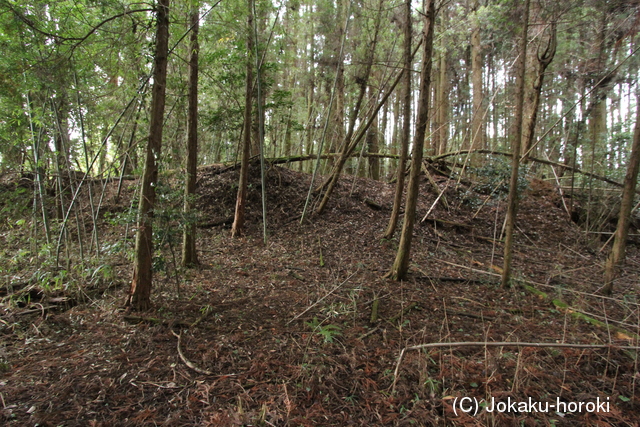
<point>432,385</point>
<point>328,332</point>
<point>104,273</point>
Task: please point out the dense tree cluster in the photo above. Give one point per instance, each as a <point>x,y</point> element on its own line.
<point>303,78</point>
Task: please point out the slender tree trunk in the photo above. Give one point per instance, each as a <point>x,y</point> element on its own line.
<point>396,137</point>
<point>406,124</point>
<point>140,293</point>
<point>241,200</point>
<point>434,131</point>
<point>401,264</point>
<point>61,141</point>
<point>465,97</point>
<point>38,170</point>
<point>443,105</point>
<point>617,255</point>
<point>128,154</point>
<point>493,73</point>
<point>311,116</point>
<point>383,136</point>
<point>373,147</point>
<point>544,60</point>
<point>189,255</point>
<point>512,200</point>
<point>337,133</point>
<point>259,27</point>
<point>478,139</point>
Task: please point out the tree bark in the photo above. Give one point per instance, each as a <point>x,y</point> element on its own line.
<point>189,255</point>
<point>311,116</point>
<point>512,200</point>
<point>241,199</point>
<point>478,139</point>
<point>401,264</point>
<point>140,293</point>
<point>337,134</point>
<point>442,92</point>
<point>617,255</point>
<point>373,146</point>
<point>406,124</point>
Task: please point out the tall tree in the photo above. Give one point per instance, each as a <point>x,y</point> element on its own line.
<point>189,256</point>
<point>618,251</point>
<point>406,124</point>
<point>441,89</point>
<point>477,136</point>
<point>241,199</point>
<point>140,293</point>
<point>512,200</point>
<point>401,264</point>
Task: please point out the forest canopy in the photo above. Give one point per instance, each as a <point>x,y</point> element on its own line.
<point>75,76</point>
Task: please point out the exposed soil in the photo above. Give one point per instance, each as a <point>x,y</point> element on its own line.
<point>284,328</point>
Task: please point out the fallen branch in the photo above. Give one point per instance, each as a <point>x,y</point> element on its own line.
<point>573,291</point>
<point>326,295</point>
<point>191,365</point>
<point>488,239</point>
<point>373,204</point>
<point>371,332</point>
<point>41,309</point>
<point>291,159</point>
<point>439,193</point>
<point>503,344</point>
<point>532,159</point>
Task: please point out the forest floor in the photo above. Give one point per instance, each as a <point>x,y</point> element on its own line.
<point>281,334</point>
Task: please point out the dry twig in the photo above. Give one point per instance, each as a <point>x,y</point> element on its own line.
<point>191,365</point>
<point>326,295</point>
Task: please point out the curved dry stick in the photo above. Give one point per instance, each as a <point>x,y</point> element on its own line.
<point>192,365</point>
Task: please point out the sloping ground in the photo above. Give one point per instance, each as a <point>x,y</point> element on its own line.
<point>284,329</point>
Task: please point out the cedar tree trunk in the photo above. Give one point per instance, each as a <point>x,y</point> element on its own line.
<point>189,256</point>
<point>512,200</point>
<point>140,293</point>
<point>241,200</point>
<point>401,264</point>
<point>406,124</point>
